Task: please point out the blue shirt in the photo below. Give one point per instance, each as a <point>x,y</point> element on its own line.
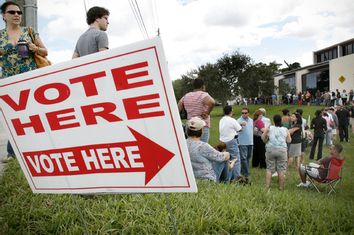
<point>245,137</point>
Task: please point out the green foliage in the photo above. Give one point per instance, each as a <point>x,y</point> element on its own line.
<point>183,85</point>
<point>257,80</point>
<point>290,67</point>
<point>231,67</point>
<point>215,209</point>
<point>215,84</point>
<point>232,75</point>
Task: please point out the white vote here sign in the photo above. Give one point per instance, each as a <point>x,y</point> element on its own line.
<point>107,122</point>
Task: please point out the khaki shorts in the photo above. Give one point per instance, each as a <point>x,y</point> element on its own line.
<point>276,159</point>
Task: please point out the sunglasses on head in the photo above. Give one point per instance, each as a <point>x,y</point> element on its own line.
<point>14,12</point>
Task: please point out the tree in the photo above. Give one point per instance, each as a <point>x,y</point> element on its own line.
<point>184,84</point>
<point>216,86</point>
<point>290,67</point>
<point>257,80</point>
<point>231,67</point>
<point>266,79</point>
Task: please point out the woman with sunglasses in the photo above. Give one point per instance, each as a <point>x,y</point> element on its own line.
<point>16,48</point>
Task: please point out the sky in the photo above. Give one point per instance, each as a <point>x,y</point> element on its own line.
<point>196,32</point>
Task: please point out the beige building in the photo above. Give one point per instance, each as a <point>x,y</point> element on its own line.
<point>333,69</point>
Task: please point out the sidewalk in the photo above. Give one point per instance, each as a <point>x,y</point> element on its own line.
<point>3,143</point>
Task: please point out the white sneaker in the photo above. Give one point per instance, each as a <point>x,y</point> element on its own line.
<point>304,185</point>
<point>307,184</point>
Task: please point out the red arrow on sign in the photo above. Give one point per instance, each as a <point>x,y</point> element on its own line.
<point>153,155</point>
<point>142,155</point>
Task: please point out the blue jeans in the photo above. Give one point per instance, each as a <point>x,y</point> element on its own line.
<point>10,151</point>
<point>221,171</point>
<point>328,137</point>
<point>232,148</point>
<point>205,135</point>
<point>245,154</point>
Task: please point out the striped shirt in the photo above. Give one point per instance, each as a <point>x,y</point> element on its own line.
<point>193,103</point>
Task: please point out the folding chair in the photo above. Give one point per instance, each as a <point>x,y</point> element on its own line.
<point>334,172</point>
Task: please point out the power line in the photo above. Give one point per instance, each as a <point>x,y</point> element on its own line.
<point>85,6</point>
<point>139,19</point>
<point>155,17</point>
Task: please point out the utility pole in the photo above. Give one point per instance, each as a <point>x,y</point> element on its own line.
<point>29,17</point>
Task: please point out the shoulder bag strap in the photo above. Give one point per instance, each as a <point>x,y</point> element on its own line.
<point>30,33</point>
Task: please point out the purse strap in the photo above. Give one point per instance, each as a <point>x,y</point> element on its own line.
<point>30,32</point>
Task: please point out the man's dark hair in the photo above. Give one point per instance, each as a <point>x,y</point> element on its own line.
<point>318,113</point>
<point>95,13</point>
<point>277,120</point>
<point>6,4</point>
<point>299,111</point>
<point>197,133</point>
<point>227,110</point>
<point>338,147</point>
<point>198,83</point>
<point>285,112</point>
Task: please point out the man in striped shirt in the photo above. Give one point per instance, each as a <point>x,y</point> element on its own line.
<point>198,103</point>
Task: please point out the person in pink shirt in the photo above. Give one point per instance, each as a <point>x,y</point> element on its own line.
<point>198,103</point>
<point>258,159</point>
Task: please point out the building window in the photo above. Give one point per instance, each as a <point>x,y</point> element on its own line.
<point>335,54</point>
<point>318,58</point>
<point>348,49</point>
<point>318,80</point>
<point>287,84</point>
<point>330,55</point>
<point>327,55</point>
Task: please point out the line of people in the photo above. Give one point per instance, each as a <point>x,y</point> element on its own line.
<point>243,139</point>
<point>274,147</point>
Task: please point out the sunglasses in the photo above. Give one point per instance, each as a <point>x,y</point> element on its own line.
<point>244,113</point>
<point>14,12</point>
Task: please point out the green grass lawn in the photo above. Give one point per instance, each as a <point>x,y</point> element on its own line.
<point>216,208</point>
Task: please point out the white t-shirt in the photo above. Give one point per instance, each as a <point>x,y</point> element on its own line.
<point>266,121</point>
<point>228,128</point>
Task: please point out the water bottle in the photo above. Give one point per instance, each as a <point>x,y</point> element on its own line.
<point>23,49</point>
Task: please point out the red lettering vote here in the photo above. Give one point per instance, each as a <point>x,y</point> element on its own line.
<point>142,155</point>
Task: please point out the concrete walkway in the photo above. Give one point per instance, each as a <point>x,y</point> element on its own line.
<point>3,143</point>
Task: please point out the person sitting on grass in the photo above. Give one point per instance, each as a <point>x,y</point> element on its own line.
<point>319,171</point>
<point>207,162</point>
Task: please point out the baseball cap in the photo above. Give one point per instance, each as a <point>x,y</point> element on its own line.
<point>195,124</point>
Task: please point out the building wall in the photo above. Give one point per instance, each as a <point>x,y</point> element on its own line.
<point>342,66</point>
